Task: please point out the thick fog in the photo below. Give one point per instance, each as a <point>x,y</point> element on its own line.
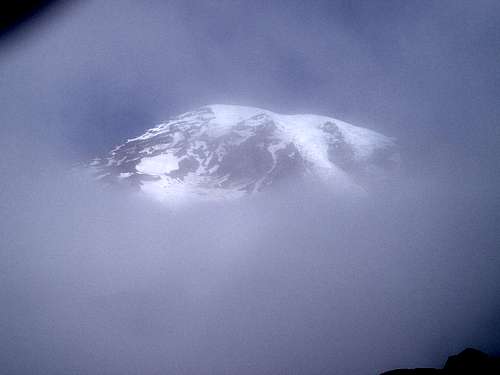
<point>295,281</point>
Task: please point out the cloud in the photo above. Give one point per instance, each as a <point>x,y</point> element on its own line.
<point>103,282</point>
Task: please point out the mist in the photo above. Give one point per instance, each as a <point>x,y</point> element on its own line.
<point>300,280</point>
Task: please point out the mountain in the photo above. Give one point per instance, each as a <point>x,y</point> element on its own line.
<point>227,151</point>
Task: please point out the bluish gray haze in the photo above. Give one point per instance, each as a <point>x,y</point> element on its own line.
<point>298,281</point>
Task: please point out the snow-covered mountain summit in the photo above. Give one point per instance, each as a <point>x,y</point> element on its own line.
<point>227,151</point>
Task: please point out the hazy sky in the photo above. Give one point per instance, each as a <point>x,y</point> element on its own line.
<point>93,282</point>
<point>423,71</point>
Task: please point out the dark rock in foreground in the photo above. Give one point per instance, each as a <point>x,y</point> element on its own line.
<point>468,362</point>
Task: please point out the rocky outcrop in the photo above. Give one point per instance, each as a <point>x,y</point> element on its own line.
<point>468,362</point>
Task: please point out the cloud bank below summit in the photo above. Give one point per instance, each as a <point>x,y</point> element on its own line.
<point>109,283</point>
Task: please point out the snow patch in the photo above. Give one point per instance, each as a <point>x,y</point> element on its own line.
<point>158,165</point>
